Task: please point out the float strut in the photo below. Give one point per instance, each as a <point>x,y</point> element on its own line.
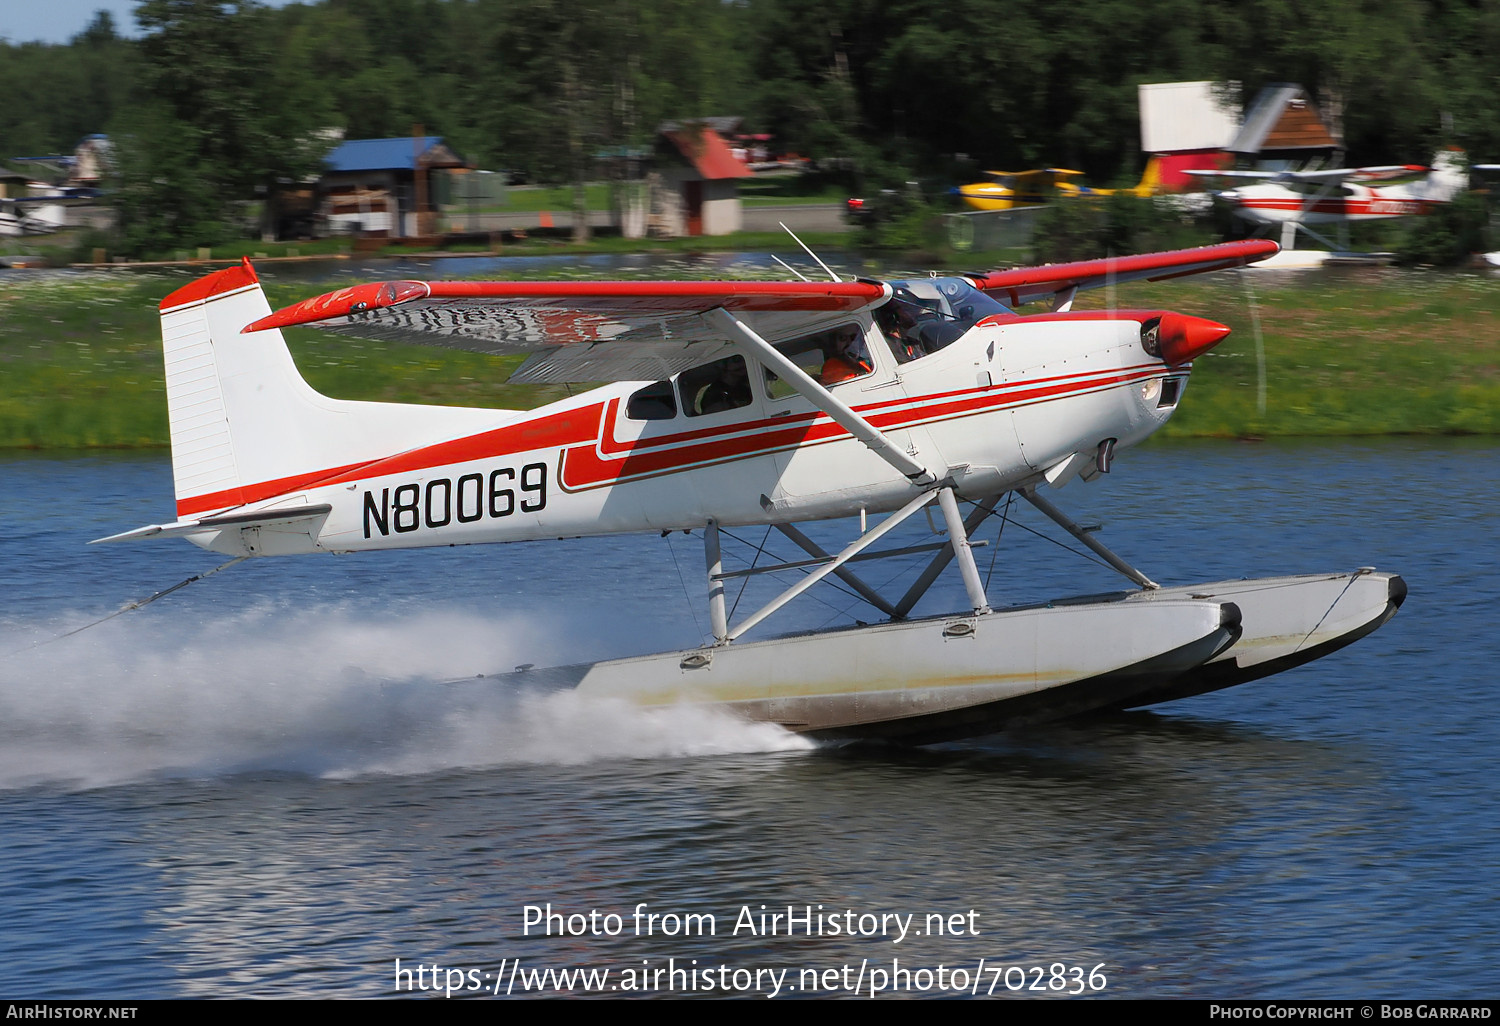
<point>940,562</point>
<point>1062,520</point>
<point>958,538</point>
<point>861,543</point>
<point>815,550</point>
<point>717,618</point>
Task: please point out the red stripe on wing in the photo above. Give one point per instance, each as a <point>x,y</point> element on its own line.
<point>665,297</point>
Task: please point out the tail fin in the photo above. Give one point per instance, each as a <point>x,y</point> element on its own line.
<point>245,425</point>
<point>1448,178</point>
<point>1150,183</point>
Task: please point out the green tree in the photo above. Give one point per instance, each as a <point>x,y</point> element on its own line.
<point>56,95</point>
<point>811,63</point>
<point>1450,235</point>
<point>556,78</point>
<point>1371,65</point>
<point>213,126</point>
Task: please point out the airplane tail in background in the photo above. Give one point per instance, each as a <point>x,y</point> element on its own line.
<point>1448,178</point>
<point>245,425</point>
<point>1150,183</point>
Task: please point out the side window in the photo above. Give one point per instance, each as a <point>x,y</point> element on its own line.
<point>892,319</point>
<point>828,357</point>
<point>715,387</point>
<point>916,328</point>
<point>656,401</point>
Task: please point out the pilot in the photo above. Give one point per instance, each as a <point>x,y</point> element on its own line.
<point>898,323</point>
<point>846,359</point>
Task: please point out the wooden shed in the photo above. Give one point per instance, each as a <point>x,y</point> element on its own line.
<point>1283,125</point>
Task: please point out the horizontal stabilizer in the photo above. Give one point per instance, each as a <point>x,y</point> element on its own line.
<point>264,518</point>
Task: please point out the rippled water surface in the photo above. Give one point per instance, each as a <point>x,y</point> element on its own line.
<point>269,783</point>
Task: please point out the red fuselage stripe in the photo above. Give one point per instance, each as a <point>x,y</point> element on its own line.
<point>586,434</point>
<point>584,468</point>
<point>1346,208</point>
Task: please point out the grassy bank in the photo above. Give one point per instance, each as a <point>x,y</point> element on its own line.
<point>1376,352</point>
<point>1373,352</point>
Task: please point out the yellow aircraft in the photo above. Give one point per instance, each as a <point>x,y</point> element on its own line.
<point>1006,190</point>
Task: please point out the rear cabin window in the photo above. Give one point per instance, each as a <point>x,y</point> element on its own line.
<point>716,387</point>
<point>656,401</point>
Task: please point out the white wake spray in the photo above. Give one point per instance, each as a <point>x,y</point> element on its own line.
<point>333,693</point>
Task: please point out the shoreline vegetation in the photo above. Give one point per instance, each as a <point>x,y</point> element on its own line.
<point>1357,353</point>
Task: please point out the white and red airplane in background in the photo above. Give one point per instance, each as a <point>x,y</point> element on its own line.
<point>768,403</point>
<point>1339,196</point>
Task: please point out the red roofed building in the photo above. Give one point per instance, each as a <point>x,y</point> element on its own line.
<point>695,164</point>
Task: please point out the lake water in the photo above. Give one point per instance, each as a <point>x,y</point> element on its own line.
<point>266,784</point>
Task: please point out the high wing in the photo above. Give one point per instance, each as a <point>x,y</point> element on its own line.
<point>640,331</point>
<point>1323,177</point>
<point>574,328</point>
<point>1259,176</point>
<point>1038,172</point>
<point>1057,282</point>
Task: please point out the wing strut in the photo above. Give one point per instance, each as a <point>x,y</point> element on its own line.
<point>820,397</point>
<point>958,537</point>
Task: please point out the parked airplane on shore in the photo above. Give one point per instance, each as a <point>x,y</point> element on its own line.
<point>1006,190</point>
<point>31,215</point>
<point>767,403</point>
<point>1338,196</point>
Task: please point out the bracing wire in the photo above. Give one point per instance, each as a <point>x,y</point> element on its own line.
<point>692,609</point>
<point>1004,519</point>
<point>833,583</point>
<point>745,581</point>
<point>1048,538</point>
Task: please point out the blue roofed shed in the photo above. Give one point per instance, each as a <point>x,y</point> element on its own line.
<point>381,186</point>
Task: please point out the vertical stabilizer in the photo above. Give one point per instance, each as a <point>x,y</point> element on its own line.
<point>1150,183</point>
<point>244,424</point>
<point>202,454</point>
<point>1449,177</point>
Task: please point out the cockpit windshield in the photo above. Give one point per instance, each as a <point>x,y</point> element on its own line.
<point>928,314</point>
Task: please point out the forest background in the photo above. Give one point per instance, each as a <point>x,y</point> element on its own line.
<point>218,100</point>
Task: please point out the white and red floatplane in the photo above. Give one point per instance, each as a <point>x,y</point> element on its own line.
<point>769,403</point>
<point>1297,200</point>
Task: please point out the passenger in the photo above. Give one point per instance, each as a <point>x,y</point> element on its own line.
<point>729,391</point>
<point>847,360</point>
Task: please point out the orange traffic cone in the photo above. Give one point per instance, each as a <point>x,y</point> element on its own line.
<point>546,219</point>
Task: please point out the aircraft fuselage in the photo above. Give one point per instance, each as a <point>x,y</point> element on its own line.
<point>1010,399</point>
